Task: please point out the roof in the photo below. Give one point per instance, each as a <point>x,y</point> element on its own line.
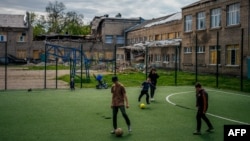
<point>197,3</point>
<point>170,18</point>
<point>98,19</point>
<point>65,37</point>
<point>14,21</point>
<point>161,43</point>
<point>157,21</point>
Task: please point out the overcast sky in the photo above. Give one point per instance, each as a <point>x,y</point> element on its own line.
<point>146,9</point>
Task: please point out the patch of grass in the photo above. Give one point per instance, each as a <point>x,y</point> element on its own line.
<point>167,78</point>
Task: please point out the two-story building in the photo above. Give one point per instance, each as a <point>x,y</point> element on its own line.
<point>111,32</point>
<point>162,38</point>
<point>16,35</point>
<point>216,35</point>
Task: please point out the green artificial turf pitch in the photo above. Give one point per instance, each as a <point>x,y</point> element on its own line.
<point>85,115</point>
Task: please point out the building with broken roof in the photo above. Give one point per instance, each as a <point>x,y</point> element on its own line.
<point>16,35</point>
<point>111,31</point>
<point>208,36</point>
<point>162,36</point>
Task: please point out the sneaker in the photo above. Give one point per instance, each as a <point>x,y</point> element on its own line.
<point>211,129</point>
<point>152,99</point>
<point>197,133</point>
<point>129,129</point>
<point>112,132</point>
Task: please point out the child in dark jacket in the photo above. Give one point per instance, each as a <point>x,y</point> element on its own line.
<point>145,86</point>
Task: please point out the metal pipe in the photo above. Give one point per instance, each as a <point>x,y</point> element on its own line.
<point>196,59</point>
<point>56,71</point>
<point>146,61</point>
<point>242,59</point>
<point>115,59</point>
<point>6,58</point>
<point>175,82</point>
<point>81,65</point>
<point>45,66</point>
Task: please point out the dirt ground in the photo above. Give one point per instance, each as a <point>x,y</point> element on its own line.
<point>21,78</point>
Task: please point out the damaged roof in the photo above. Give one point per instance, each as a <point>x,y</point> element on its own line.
<point>95,23</point>
<point>161,43</point>
<point>197,3</point>
<point>13,21</point>
<point>157,21</point>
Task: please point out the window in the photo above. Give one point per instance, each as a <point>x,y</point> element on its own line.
<point>187,50</point>
<point>233,55</point>
<point>119,56</point>
<point>157,37</point>
<point>215,18</point>
<point>165,57</point>
<point>133,40</point>
<point>109,39</point>
<point>21,38</point>
<point>233,14</point>
<point>171,35</point>
<point>213,54</point>
<point>201,23</point>
<point>141,39</point>
<point>101,56</point>
<point>188,23</point>
<point>151,57</point>
<point>200,49</point>
<point>2,38</point>
<point>174,58</point>
<point>177,34</point>
<point>119,39</point>
<point>157,57</point>
<point>127,55</point>
<point>163,36</point>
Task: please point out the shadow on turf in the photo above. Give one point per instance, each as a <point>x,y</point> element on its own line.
<point>125,136</point>
<point>184,107</point>
<point>206,136</point>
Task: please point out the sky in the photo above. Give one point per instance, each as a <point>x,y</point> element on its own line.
<point>147,9</point>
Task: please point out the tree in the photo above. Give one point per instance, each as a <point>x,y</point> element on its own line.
<point>55,16</point>
<point>74,24</point>
<point>38,23</point>
<point>58,22</point>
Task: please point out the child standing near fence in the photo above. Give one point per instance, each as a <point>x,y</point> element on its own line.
<point>72,84</point>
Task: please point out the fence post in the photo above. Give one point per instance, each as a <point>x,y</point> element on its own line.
<point>5,64</point>
<point>217,61</point>
<point>196,59</point>
<point>242,59</point>
<point>45,66</point>
<point>56,71</point>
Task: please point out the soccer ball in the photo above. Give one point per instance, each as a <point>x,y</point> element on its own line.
<point>142,106</point>
<point>118,132</point>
